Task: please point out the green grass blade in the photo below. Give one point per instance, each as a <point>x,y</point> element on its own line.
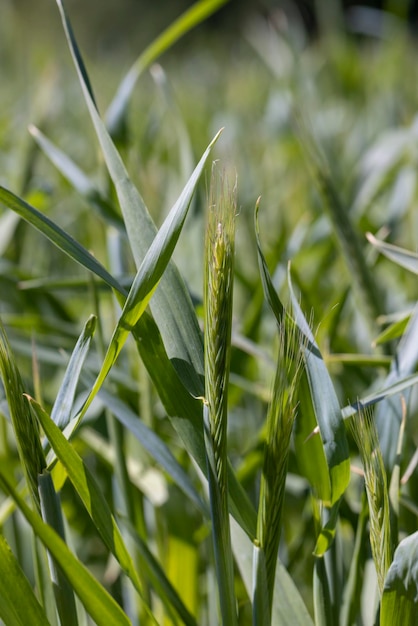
<point>327,410</point>
<point>78,179</point>
<point>61,411</point>
<point>116,114</point>
<point>148,275</point>
<point>310,453</point>
<point>171,305</point>
<point>57,236</point>
<point>352,592</point>
<point>393,331</point>
<point>96,600</point>
<point>24,424</point>
<point>90,494</point>
<point>52,515</point>
<point>260,594</point>
<point>18,603</point>
<point>323,607</point>
<point>268,287</point>
<point>400,594</point>
<point>185,413</point>
<point>97,507</point>
<point>400,256</point>
<point>385,393</point>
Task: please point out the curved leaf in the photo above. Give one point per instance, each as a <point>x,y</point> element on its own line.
<point>61,411</point>
<point>98,509</point>
<point>148,275</point>
<point>327,410</point>
<point>57,236</point>
<point>404,258</point>
<point>96,600</point>
<point>400,593</point>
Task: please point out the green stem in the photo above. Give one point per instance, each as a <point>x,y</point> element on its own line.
<point>52,515</point>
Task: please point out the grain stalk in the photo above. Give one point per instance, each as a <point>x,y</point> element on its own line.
<point>23,421</point>
<point>41,488</point>
<point>219,266</point>
<point>365,435</point>
<point>279,423</point>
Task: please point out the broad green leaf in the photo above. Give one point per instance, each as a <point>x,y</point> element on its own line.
<point>288,606</point>
<point>148,276</point>
<point>400,595</point>
<point>18,603</point>
<point>57,236</point>
<point>327,410</point>
<point>78,179</point>
<point>98,509</point>
<point>404,258</point>
<point>61,411</point>
<point>310,452</point>
<point>197,13</point>
<point>172,308</point>
<point>98,603</point>
<point>171,305</point>
<point>186,414</point>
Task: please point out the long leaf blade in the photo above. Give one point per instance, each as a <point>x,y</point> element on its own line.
<point>96,600</point>
<point>61,411</point>
<point>327,409</point>
<point>149,274</point>
<point>171,306</point>
<point>98,509</point>
<point>77,178</point>
<point>400,594</point>
<point>404,258</point>
<point>57,236</point>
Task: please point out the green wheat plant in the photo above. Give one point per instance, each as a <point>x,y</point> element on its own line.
<point>218,292</point>
<point>365,435</point>
<point>279,426</point>
<point>177,445</point>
